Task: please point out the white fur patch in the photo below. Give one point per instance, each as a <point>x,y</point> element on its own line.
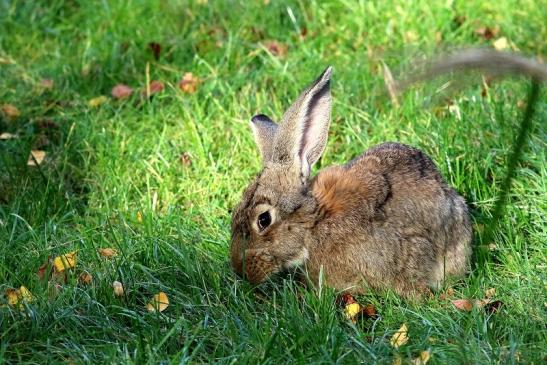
<point>298,260</point>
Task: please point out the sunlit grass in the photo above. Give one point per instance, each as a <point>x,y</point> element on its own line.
<point>107,164</point>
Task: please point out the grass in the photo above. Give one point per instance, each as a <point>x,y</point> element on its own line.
<point>106,164</point>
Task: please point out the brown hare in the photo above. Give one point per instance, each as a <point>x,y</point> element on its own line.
<point>385,220</point>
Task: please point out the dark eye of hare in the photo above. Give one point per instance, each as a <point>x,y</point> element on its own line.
<point>264,220</point>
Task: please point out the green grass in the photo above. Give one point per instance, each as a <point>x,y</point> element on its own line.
<point>105,164</point>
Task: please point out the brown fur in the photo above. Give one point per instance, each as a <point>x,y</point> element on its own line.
<point>386,220</point>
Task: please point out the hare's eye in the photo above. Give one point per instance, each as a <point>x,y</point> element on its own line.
<point>264,220</point>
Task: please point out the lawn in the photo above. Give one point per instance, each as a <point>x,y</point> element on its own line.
<point>155,178</point>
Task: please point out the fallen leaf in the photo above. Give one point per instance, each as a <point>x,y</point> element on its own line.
<point>139,216</point>
<point>158,303</point>
<point>10,111</point>
<point>303,33</point>
<point>422,359</point>
<point>276,48</point>
<point>400,337</point>
<point>185,159</point>
<point>121,91</point>
<point>41,273</point>
<point>66,261</point>
<point>463,304</point>
<point>154,87</point>
<point>6,135</point>
<point>490,292</point>
<point>13,296</point>
<point>85,278</point>
<point>156,49</point>
<point>189,83</point>
<point>47,124</point>
<point>345,299</point>
<point>118,288</point>
<point>36,157</point>
<point>47,84</point>
<point>98,101</point>
<point>25,294</point>
<point>19,296</point>
<point>369,311</point>
<point>501,44</point>
<point>390,85</point>
<point>351,310</point>
<point>398,361</point>
<point>493,307</point>
<point>107,252</point>
<point>487,33</point>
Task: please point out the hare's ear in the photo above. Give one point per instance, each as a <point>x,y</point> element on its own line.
<point>264,130</point>
<point>302,134</point>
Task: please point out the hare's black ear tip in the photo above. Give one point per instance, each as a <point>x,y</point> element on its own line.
<point>260,118</point>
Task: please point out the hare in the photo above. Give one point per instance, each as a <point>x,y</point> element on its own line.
<point>385,220</point>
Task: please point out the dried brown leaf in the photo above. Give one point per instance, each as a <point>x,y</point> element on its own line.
<point>156,49</point>
<point>121,91</point>
<point>10,111</point>
<point>107,252</point>
<point>463,304</point>
<point>189,83</point>
<point>85,278</point>
<point>185,159</point>
<point>276,48</point>
<point>487,33</point>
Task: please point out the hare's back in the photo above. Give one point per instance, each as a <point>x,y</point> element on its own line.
<point>416,191</point>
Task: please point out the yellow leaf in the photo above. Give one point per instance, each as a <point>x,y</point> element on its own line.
<point>118,288</point>
<point>158,303</point>
<point>139,216</point>
<point>107,252</point>
<point>98,101</point>
<point>422,359</point>
<point>400,337</point>
<point>67,261</point>
<point>36,157</point>
<point>21,295</point>
<point>13,296</point>
<point>397,361</point>
<point>25,294</point>
<point>501,43</point>
<point>490,292</point>
<point>352,310</point>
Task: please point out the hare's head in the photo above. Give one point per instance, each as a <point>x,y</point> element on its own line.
<point>271,225</point>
